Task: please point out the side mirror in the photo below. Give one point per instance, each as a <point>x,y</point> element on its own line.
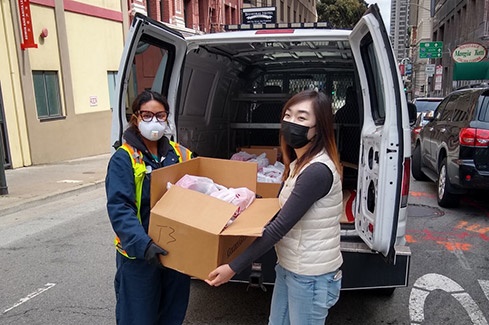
<point>412,111</point>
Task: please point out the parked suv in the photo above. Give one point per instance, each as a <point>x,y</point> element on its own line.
<point>453,147</point>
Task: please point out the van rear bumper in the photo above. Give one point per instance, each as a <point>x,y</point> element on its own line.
<point>362,268</point>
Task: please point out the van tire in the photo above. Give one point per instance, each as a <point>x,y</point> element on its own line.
<point>446,199</point>
<point>416,165</point>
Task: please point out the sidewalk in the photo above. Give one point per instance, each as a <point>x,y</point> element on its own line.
<point>29,186</point>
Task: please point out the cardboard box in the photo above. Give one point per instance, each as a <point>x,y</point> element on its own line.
<point>191,225</point>
<point>270,152</point>
<point>266,190</point>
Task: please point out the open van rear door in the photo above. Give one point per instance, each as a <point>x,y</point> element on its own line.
<point>152,59</point>
<point>380,172</point>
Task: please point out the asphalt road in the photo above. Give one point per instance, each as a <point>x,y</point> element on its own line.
<point>57,267</point>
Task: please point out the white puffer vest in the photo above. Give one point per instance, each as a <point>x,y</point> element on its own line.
<point>312,246</point>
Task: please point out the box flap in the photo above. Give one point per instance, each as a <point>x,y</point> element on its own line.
<point>230,173</point>
<point>268,190</point>
<point>222,171</point>
<point>251,221</point>
<point>270,153</point>
<point>161,176</point>
<point>194,209</point>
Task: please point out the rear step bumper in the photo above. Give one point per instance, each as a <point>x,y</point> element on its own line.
<point>362,268</point>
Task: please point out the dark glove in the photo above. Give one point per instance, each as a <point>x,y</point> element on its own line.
<point>152,254</point>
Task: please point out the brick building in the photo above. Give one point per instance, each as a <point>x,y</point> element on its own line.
<point>190,16</point>
<point>208,16</point>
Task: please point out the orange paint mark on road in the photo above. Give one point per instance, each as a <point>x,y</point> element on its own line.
<point>461,225</point>
<point>451,246</point>
<point>475,227</point>
<point>428,235</point>
<point>410,239</point>
<point>421,194</point>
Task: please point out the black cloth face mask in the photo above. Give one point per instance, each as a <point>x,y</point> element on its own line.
<point>295,135</point>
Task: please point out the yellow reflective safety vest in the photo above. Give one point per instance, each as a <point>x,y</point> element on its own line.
<point>139,168</point>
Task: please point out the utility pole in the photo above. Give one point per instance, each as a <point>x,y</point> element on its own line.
<point>3,179</point>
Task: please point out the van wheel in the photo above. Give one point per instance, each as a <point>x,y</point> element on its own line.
<point>416,165</point>
<point>446,199</point>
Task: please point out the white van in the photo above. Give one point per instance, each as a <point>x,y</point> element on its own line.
<point>226,91</point>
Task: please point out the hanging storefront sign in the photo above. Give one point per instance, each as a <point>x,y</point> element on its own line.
<point>261,15</point>
<point>26,25</point>
<point>469,52</point>
<point>438,77</point>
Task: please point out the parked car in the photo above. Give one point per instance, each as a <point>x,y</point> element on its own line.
<point>421,120</point>
<point>425,104</point>
<point>453,147</point>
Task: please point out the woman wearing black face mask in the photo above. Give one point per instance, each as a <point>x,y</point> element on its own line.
<point>306,231</point>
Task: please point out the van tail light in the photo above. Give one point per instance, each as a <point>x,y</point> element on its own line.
<point>473,137</point>
<point>405,182</point>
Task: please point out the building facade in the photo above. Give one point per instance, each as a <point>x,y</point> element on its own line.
<point>457,22</point>
<point>399,28</point>
<point>421,24</point>
<point>56,83</point>
<point>454,23</point>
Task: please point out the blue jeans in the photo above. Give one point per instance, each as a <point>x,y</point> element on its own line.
<point>302,299</point>
<point>147,294</point>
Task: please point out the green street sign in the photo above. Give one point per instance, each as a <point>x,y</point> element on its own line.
<point>430,50</point>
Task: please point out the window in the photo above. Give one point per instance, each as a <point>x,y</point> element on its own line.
<point>46,88</point>
<point>463,106</point>
<point>111,78</point>
<point>484,108</point>
<point>282,9</point>
<point>376,87</point>
<point>151,70</point>
<point>148,8</point>
<point>184,12</point>
<point>447,112</point>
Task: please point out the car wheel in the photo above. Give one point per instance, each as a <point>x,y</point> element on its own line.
<point>445,198</point>
<point>416,165</point>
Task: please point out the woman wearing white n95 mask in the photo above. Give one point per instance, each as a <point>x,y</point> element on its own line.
<point>146,292</point>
